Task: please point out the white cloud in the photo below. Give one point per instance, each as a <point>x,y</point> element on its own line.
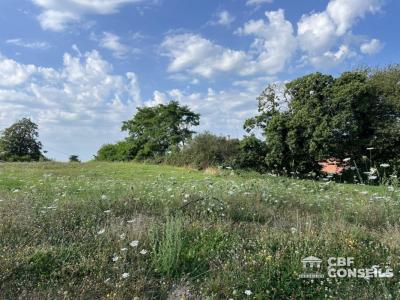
<point>58,14</point>
<point>199,56</point>
<point>113,43</point>
<point>82,103</point>
<point>31,45</point>
<point>273,46</point>
<point>258,2</point>
<point>330,59</point>
<point>224,18</point>
<point>13,73</point>
<point>346,13</point>
<point>372,47</point>
<point>318,33</point>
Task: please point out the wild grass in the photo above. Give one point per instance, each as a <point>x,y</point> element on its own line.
<point>126,230</point>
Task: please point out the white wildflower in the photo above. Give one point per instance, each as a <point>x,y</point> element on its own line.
<point>143,252</point>
<point>248,292</point>
<point>134,244</point>
<point>107,211</point>
<point>101,231</point>
<point>103,197</point>
<point>125,275</point>
<point>115,258</point>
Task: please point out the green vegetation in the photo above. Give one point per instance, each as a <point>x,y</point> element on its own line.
<point>20,142</point>
<point>318,116</point>
<point>126,230</point>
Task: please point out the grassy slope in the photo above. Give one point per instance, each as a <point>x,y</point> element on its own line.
<point>65,231</point>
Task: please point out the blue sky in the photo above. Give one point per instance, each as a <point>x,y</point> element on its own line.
<point>79,68</point>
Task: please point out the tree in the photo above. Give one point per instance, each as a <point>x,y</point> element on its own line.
<point>74,158</point>
<point>328,116</point>
<point>157,129</point>
<point>20,141</point>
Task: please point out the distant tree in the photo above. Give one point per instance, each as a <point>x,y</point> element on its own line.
<point>74,158</point>
<point>155,130</point>
<point>20,141</point>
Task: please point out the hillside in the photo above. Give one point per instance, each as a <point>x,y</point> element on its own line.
<point>126,230</point>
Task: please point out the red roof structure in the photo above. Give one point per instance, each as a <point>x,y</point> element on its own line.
<point>332,166</point>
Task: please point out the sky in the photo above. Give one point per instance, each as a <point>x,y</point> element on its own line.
<point>79,68</point>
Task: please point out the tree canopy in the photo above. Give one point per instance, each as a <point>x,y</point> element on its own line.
<point>20,142</point>
<point>152,132</point>
<point>319,116</point>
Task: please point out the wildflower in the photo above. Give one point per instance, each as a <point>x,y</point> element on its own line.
<point>385,165</point>
<point>134,244</point>
<point>122,236</point>
<point>373,171</point>
<point>125,275</point>
<point>103,197</point>
<point>124,249</point>
<point>107,211</point>
<point>390,188</point>
<point>115,258</point>
<point>101,231</point>
<point>248,292</point>
<point>143,252</point>
<point>293,230</point>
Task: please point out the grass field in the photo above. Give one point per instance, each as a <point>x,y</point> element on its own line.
<point>133,231</point>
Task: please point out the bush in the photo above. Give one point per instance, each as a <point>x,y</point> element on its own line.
<point>122,151</point>
<point>206,150</point>
<point>251,156</point>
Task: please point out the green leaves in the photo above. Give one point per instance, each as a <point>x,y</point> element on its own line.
<point>19,142</point>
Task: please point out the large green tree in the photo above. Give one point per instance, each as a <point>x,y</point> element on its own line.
<point>20,141</point>
<point>327,116</point>
<point>155,130</point>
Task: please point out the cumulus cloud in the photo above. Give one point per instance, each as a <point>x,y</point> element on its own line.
<point>274,44</point>
<point>319,32</point>
<point>58,14</point>
<point>372,47</point>
<point>82,103</point>
<point>199,56</point>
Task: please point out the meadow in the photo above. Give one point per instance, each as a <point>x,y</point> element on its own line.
<point>137,231</point>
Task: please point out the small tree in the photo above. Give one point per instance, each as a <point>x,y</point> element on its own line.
<point>74,158</point>
<point>20,141</point>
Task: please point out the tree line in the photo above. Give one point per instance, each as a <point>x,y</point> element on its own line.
<point>353,117</point>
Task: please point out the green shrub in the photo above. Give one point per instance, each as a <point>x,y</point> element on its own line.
<point>122,151</point>
<point>206,150</point>
<point>167,244</point>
